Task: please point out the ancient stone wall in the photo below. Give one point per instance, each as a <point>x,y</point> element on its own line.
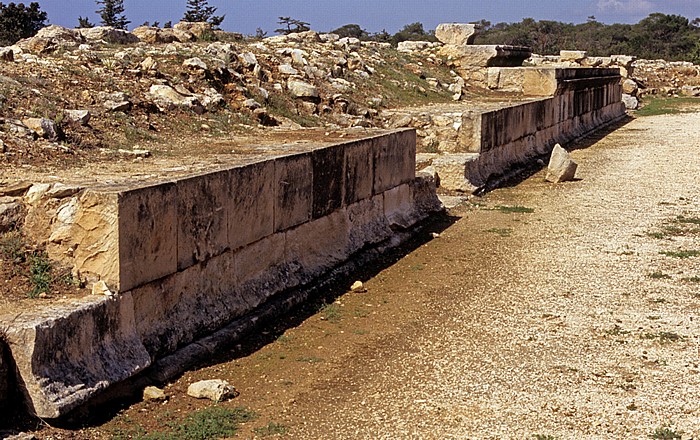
<point>184,258</point>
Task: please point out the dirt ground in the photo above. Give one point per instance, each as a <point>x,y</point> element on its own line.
<point>539,311</point>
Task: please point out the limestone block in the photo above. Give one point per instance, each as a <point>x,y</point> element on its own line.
<point>459,34</point>
<point>539,82</point>
<point>394,160</point>
<point>398,206</point>
<point>261,270</point>
<point>561,167</point>
<point>147,234</point>
<point>575,56</point>
<point>4,376</point>
<point>213,389</point>
<point>69,353</point>
<point>252,202</point>
<point>367,223</point>
<point>202,223</point>
<point>359,171</point>
<point>425,199</point>
<point>631,103</point>
<point>328,171</point>
<point>94,238</point>
<point>178,309</point>
<point>485,55</point>
<point>293,190</point>
<point>317,246</point>
<point>451,170</point>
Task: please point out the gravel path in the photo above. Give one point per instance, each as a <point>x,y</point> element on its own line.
<point>565,322</point>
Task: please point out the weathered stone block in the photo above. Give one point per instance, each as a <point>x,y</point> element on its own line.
<point>328,170</point>
<point>452,172</point>
<point>70,353</point>
<point>202,217</point>
<point>367,223</point>
<point>398,206</point>
<point>201,299</point>
<point>574,56</point>
<point>147,234</point>
<point>359,173</point>
<point>459,34</point>
<point>394,160</point>
<point>317,246</point>
<point>252,203</point>
<point>94,238</point>
<point>293,193</point>
<point>259,278</point>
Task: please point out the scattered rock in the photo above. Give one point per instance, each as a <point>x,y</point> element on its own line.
<point>629,87</point>
<point>100,288</point>
<point>51,38</point>
<point>60,191</point>
<point>36,192</point>
<point>301,89</point>
<point>21,436</point>
<point>631,102</point>
<point>7,54</point>
<point>43,127</point>
<point>251,104</point>
<point>135,153</point>
<point>10,216</point>
<point>458,34</point>
<point>561,167</point>
<point>18,189</point>
<point>194,64</point>
<point>572,55</point>
<point>154,394</point>
<point>198,29</point>
<point>108,34</point>
<point>358,286</point>
<point>248,59</point>
<point>81,117</point>
<point>214,389</point>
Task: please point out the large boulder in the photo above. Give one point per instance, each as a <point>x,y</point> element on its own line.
<point>198,29</point>
<point>153,35</point>
<point>301,89</point>
<point>108,34</point>
<point>631,102</point>
<point>51,38</point>
<point>562,167</point>
<point>459,34</point>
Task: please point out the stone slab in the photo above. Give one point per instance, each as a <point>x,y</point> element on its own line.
<point>394,160</point>
<point>202,222</point>
<point>359,171</point>
<point>147,234</point>
<point>328,180</point>
<point>70,353</point>
<point>459,34</point>
<point>293,190</point>
<point>251,203</point>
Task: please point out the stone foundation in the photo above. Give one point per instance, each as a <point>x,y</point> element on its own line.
<point>185,258</point>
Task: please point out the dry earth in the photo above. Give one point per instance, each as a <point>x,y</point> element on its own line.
<point>564,322</point>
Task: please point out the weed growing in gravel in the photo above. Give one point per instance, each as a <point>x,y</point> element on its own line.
<point>694,279</point>
<point>310,359</point>
<point>666,433</point>
<point>544,437</point>
<point>659,276</point>
<point>12,246</point>
<point>209,423</point>
<point>331,312</point>
<point>39,274</point>
<point>681,254</point>
<point>687,220</point>
<point>617,331</point>
<point>664,337</point>
<point>503,232</point>
<point>271,428</point>
<point>657,235</point>
<point>514,209</point>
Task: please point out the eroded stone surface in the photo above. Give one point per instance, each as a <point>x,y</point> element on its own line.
<point>459,34</point>
<point>562,167</point>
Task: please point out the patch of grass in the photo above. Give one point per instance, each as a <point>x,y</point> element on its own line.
<point>659,276</point>
<point>271,428</point>
<point>658,300</point>
<point>544,437</point>
<point>657,235</point>
<point>211,423</point>
<point>13,246</point>
<point>681,254</point>
<point>617,331</point>
<point>666,433</point>
<point>514,209</point>
<point>331,312</point>
<point>39,274</point>
<point>694,279</point>
<point>503,232</point>
<point>667,106</point>
<point>664,337</point>
<point>361,313</point>
<point>687,220</point>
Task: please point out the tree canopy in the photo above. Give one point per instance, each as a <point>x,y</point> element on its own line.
<point>199,10</point>
<point>112,13</point>
<point>18,21</point>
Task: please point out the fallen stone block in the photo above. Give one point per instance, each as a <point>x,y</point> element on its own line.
<point>459,34</point>
<point>561,167</point>
<point>213,389</point>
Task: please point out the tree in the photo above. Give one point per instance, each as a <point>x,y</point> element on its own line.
<point>18,21</point>
<point>293,26</point>
<point>352,31</point>
<point>412,32</point>
<point>112,13</point>
<point>199,10</point>
<point>84,22</point>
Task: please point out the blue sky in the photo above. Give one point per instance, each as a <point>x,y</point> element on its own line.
<point>374,15</point>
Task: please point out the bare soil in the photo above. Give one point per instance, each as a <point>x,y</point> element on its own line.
<point>566,310</point>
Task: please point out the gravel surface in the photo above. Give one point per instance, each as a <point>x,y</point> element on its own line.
<point>565,322</point>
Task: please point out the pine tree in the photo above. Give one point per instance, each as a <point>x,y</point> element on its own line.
<point>84,22</point>
<point>112,13</point>
<point>18,21</point>
<point>199,10</point>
